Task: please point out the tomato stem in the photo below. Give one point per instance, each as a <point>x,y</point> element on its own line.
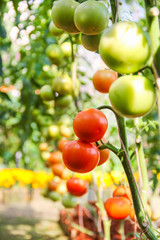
<point>125,160</point>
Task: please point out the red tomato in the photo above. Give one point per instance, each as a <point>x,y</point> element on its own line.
<point>104,155</point>
<point>103,79</point>
<point>52,186</point>
<point>77,186</point>
<point>58,169</point>
<point>118,207</point>
<point>122,191</point>
<point>55,157</point>
<point>90,125</point>
<point>62,143</point>
<point>81,157</point>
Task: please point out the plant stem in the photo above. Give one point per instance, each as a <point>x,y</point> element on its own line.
<point>114,8</point>
<point>125,160</point>
<point>154,34</point>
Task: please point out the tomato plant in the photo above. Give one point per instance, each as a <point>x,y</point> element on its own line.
<point>118,207</point>
<point>79,156</point>
<point>77,186</point>
<point>132,96</point>
<point>90,125</point>
<point>103,79</point>
<point>63,15</point>
<point>91,17</point>
<point>124,47</point>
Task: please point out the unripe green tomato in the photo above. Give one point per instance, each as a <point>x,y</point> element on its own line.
<point>54,196</point>
<point>64,100</point>
<point>62,84</point>
<point>45,155</point>
<point>43,120</point>
<point>54,30</point>
<point>65,120</point>
<point>55,53</point>
<point>132,96</point>
<point>91,17</point>
<point>53,131</point>
<point>67,49</point>
<point>91,42</point>
<point>46,93</point>
<point>69,201</point>
<point>63,15</point>
<point>124,47</point>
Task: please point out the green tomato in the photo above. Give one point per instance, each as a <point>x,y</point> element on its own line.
<point>63,15</point>
<point>46,93</point>
<point>54,196</point>
<point>64,100</point>
<point>65,120</point>
<point>62,84</point>
<point>55,53</point>
<point>69,201</point>
<point>45,193</point>
<point>43,120</point>
<point>124,47</point>
<point>91,17</point>
<point>54,30</point>
<point>67,49</point>
<point>53,131</point>
<point>91,42</point>
<point>132,96</point>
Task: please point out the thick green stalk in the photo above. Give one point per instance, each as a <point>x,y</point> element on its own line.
<point>114,8</point>
<point>143,223</point>
<point>125,160</point>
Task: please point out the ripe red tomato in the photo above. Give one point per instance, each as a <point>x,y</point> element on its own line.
<point>55,157</point>
<point>118,207</point>
<point>122,191</point>
<point>102,80</point>
<point>77,186</point>
<point>81,157</point>
<point>90,125</point>
<point>62,142</point>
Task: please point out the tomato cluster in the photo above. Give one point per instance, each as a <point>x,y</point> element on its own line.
<point>119,206</point>
<point>82,155</point>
